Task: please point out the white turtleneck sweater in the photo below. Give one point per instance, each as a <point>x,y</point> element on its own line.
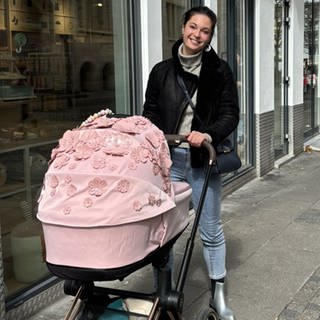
<point>190,64</point>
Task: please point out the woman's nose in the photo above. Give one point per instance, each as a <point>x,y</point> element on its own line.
<point>196,33</point>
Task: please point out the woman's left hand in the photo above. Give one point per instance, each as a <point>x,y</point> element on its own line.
<point>196,138</point>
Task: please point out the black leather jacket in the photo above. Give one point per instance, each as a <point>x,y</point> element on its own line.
<point>216,108</point>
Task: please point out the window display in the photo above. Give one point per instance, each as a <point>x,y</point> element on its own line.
<point>58,65</point>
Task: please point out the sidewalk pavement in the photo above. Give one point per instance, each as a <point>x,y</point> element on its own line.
<point>272,229</point>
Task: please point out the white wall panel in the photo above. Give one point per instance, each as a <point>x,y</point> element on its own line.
<point>151,37</point>
<point>296,42</point>
<point>264,56</point>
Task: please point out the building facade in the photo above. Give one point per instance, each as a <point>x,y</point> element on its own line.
<point>61,61</point>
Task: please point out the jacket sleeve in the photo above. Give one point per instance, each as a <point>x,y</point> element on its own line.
<point>226,117</point>
<point>151,109</point>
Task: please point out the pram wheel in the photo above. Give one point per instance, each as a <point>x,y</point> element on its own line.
<point>71,287</point>
<point>208,313</point>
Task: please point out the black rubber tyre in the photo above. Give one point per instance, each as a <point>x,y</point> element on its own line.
<point>71,287</point>
<point>167,315</point>
<point>208,313</point>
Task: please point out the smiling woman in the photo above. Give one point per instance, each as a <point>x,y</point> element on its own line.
<point>194,94</point>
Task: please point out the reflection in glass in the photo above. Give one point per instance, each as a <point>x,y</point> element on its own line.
<point>69,59</point>
<point>172,12</point>
<point>310,66</point>
<point>241,74</point>
<point>279,116</point>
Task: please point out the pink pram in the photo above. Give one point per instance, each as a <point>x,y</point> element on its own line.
<point>107,205</point>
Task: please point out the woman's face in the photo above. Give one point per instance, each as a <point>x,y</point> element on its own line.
<point>196,34</point>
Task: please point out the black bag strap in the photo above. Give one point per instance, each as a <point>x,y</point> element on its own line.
<point>184,89</point>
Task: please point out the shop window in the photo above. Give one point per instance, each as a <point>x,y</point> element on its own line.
<point>60,61</point>
<point>311,93</point>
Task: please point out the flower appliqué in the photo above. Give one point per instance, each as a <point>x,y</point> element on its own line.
<point>61,161</point>
<point>67,179</point>
<point>96,187</point>
<point>92,139</point>
<point>54,182</point>
<point>123,186</point>
<point>82,151</point>
<point>137,205</point>
<point>67,142</point>
<point>99,162</point>
<point>71,190</point>
<point>154,200</point>
<point>87,202</point>
<point>139,154</point>
<point>66,210</point>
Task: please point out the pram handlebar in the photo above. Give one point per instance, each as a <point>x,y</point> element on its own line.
<point>175,140</point>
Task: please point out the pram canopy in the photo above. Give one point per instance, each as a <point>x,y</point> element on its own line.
<point>109,171</point>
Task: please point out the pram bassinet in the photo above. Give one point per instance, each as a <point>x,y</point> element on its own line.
<point>107,200</point>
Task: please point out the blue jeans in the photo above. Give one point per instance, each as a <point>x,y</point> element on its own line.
<point>210,228</point>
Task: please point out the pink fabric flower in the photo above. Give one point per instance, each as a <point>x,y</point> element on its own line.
<point>92,139</point>
<point>97,186</point>
<point>61,161</point>
<point>82,151</point>
<point>66,210</point>
<point>139,154</point>
<point>67,179</point>
<point>127,125</point>
<point>54,153</point>
<point>99,162</point>
<point>54,182</point>
<point>152,199</point>
<point>68,141</point>
<point>137,206</point>
<point>167,185</point>
<point>123,186</point>
<point>87,202</point>
<point>156,169</point>
<point>71,190</point>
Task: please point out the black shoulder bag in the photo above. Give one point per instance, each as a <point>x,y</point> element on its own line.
<point>227,158</point>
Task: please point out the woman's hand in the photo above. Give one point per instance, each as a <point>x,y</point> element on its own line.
<point>196,138</point>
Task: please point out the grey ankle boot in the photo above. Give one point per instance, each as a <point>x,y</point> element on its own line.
<point>219,304</point>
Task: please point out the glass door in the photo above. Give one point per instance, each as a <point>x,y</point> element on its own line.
<point>281,79</point>
<point>310,66</point>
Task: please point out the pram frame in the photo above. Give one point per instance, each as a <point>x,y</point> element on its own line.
<point>167,303</point>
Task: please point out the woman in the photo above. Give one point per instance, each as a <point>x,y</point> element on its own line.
<point>211,114</point>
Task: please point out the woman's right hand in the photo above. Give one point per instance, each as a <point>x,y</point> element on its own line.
<point>196,138</point>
